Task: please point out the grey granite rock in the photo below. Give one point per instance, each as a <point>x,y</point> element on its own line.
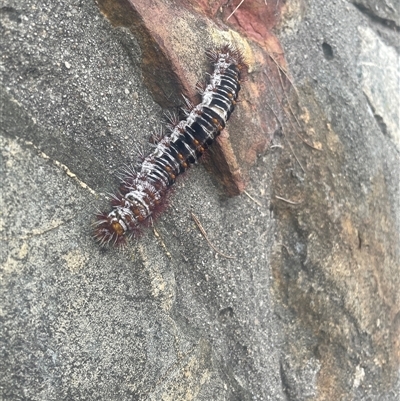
<point>309,307</point>
<point>379,70</point>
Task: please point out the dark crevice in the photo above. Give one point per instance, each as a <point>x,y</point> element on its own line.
<point>285,381</point>
<point>328,51</point>
<point>378,119</point>
<point>226,314</point>
<point>12,13</point>
<point>376,18</point>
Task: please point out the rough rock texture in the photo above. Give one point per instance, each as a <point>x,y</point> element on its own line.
<point>309,309</point>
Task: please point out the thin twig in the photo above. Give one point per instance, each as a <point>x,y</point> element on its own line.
<point>294,154</point>
<point>254,200</point>
<point>285,73</point>
<point>301,138</point>
<point>280,122</point>
<point>287,200</point>
<point>290,106</point>
<point>196,220</point>
<point>284,93</point>
<point>233,12</point>
<point>294,116</point>
<point>276,116</point>
<point>290,121</point>
<point>285,247</point>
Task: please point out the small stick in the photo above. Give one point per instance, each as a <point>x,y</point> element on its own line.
<point>294,154</point>
<point>233,12</point>
<point>287,200</point>
<point>290,107</point>
<point>284,92</point>
<point>285,247</point>
<point>200,227</point>
<point>284,72</point>
<point>254,200</point>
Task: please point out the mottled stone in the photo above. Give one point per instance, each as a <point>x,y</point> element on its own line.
<point>309,307</point>
<point>379,67</point>
<point>386,11</point>
<point>337,266</point>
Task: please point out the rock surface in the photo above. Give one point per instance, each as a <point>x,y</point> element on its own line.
<point>309,309</point>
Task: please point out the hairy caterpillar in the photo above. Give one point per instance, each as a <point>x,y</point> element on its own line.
<point>142,194</point>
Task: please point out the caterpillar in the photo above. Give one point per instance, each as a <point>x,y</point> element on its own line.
<point>143,192</point>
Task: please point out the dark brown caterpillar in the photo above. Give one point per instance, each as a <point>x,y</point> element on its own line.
<point>142,194</point>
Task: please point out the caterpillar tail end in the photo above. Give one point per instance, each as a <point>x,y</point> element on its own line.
<point>108,232</point>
